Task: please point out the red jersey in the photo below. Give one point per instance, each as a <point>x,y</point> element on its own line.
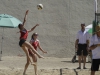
<point>35,43</point>
<point>23,34</point>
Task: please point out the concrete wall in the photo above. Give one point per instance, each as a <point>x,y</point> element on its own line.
<point>59,22</point>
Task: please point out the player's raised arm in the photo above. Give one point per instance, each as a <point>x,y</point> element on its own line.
<point>25,17</point>
<point>33,28</point>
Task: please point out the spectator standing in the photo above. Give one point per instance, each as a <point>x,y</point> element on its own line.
<point>81,45</point>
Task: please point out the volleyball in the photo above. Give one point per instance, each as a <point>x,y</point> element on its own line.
<point>39,6</point>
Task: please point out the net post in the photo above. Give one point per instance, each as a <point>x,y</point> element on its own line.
<point>95,20</point>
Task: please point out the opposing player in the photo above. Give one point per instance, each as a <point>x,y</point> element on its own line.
<point>36,44</point>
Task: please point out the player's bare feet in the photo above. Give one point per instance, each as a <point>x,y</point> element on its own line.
<point>40,56</point>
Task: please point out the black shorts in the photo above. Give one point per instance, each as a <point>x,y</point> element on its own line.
<point>21,42</point>
<point>82,47</point>
<point>95,64</point>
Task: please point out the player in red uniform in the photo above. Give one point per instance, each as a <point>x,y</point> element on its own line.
<point>23,43</point>
<point>36,44</point>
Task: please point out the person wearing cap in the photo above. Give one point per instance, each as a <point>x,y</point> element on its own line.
<point>36,44</point>
<point>95,48</point>
<point>81,45</point>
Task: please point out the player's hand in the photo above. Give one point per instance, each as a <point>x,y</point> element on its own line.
<point>37,24</point>
<point>27,12</point>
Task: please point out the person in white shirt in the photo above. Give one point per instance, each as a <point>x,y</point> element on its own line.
<point>95,48</point>
<point>81,45</point>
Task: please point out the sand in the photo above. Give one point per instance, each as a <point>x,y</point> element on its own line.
<point>48,66</point>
